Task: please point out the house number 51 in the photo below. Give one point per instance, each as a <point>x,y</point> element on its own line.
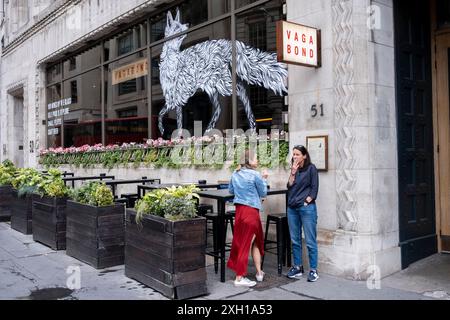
<point>315,112</point>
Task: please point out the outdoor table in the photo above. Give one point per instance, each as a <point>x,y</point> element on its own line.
<point>114,183</point>
<point>73,179</point>
<point>143,188</point>
<point>222,196</point>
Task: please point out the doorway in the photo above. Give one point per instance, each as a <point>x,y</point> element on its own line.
<point>416,180</point>
<point>442,133</point>
<point>16,142</point>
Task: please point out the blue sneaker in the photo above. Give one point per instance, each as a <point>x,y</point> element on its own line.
<point>313,276</point>
<point>295,272</point>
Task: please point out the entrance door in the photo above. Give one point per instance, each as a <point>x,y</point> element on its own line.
<point>17,130</point>
<point>443,136</point>
<point>415,130</point>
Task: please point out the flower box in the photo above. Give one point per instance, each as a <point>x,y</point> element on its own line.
<point>96,235</point>
<point>168,256</point>
<point>49,221</point>
<point>21,212</point>
<point>5,203</point>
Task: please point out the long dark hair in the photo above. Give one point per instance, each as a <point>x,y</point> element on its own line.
<point>304,152</point>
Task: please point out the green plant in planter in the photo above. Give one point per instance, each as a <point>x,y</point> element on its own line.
<point>7,172</point>
<point>174,203</point>
<point>26,181</point>
<point>52,185</point>
<point>93,193</point>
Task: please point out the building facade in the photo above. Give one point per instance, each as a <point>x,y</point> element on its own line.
<point>77,72</point>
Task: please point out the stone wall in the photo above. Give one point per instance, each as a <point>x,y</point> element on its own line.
<point>358,215</point>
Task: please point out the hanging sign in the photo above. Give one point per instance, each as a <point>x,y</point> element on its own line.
<point>298,44</point>
<point>130,71</point>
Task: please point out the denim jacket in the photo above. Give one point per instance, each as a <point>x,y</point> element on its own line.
<point>248,187</point>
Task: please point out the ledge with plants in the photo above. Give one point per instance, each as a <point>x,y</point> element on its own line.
<point>7,172</point>
<point>205,152</point>
<point>165,243</point>
<point>95,226</point>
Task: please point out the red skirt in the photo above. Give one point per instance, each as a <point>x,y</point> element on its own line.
<point>246,225</point>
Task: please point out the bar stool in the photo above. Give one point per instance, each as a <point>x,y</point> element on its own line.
<point>214,218</point>
<point>203,209</point>
<point>283,241</point>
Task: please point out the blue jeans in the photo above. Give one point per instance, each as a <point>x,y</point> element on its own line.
<point>305,216</point>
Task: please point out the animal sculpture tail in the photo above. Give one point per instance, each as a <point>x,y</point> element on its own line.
<point>260,68</point>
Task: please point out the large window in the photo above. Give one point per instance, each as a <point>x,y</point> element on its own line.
<point>256,28</point>
<point>200,65</point>
<point>54,129</point>
<point>82,122</point>
<point>126,112</point>
<point>196,72</point>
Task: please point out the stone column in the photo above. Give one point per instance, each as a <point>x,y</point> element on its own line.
<point>358,197</point>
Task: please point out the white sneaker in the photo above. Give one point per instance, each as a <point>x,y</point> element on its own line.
<point>260,276</point>
<point>244,282</point>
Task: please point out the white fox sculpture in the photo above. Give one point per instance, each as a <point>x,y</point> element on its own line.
<point>207,66</point>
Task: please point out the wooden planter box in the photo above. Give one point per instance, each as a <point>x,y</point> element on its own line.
<point>49,221</point>
<point>6,199</point>
<point>21,212</point>
<point>166,256</point>
<point>96,235</point>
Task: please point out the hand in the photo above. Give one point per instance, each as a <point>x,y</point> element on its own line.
<point>309,199</point>
<point>265,174</point>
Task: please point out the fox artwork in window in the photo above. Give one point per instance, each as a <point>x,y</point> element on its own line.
<point>207,67</point>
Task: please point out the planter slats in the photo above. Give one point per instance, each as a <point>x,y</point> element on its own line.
<point>6,199</point>
<point>182,292</point>
<point>167,256</point>
<point>21,213</point>
<point>96,235</point>
<point>49,221</point>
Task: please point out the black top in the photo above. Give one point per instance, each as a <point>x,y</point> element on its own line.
<point>306,184</point>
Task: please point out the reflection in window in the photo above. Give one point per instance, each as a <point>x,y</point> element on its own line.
<point>126,102</point>
<point>257,28</point>
<point>82,123</point>
<point>53,122</point>
<point>74,91</point>
<point>127,113</point>
<point>125,44</point>
<point>127,87</point>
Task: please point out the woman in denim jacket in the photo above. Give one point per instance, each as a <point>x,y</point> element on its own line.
<point>248,187</point>
<point>303,186</point>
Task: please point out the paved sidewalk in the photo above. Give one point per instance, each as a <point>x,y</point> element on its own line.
<point>29,270</point>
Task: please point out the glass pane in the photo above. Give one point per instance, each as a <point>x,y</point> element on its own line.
<point>443,13</point>
<point>127,41</point>
<point>53,119</point>
<point>82,121</point>
<point>204,10</point>
<point>126,100</point>
<point>54,73</point>
<point>241,3</point>
<point>86,60</point>
<point>191,66</point>
<point>256,29</point>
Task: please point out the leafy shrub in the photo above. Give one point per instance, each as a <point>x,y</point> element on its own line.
<point>26,181</point>
<point>52,185</point>
<point>93,193</point>
<point>174,203</point>
<point>7,172</point>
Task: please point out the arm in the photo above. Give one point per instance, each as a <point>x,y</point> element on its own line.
<point>261,186</point>
<point>230,186</point>
<point>314,176</point>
